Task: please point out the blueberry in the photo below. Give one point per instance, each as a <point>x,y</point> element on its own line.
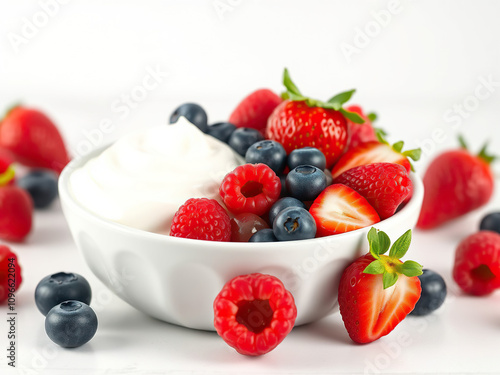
<point>263,235</point>
<point>491,222</point>
<point>221,130</point>
<point>283,192</point>
<point>243,138</point>
<point>433,293</point>
<point>71,324</point>
<point>281,204</point>
<point>305,182</point>
<point>60,287</point>
<point>306,156</point>
<point>329,177</point>
<point>41,185</point>
<point>267,152</point>
<point>194,113</point>
<point>294,223</point>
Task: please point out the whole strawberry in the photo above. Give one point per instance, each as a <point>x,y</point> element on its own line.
<point>33,139</point>
<point>301,122</point>
<point>384,185</point>
<point>254,110</point>
<point>10,273</point>
<point>456,182</point>
<point>378,291</point>
<point>360,133</point>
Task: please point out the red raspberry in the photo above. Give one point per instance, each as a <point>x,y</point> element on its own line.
<point>250,188</point>
<point>7,258</point>
<point>477,263</point>
<point>254,313</point>
<point>201,219</point>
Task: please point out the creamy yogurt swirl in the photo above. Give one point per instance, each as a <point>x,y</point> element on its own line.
<point>143,178</point>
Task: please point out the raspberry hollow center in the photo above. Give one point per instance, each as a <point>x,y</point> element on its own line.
<point>251,189</point>
<point>482,273</point>
<point>255,315</point>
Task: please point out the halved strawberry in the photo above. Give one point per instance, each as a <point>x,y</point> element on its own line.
<point>305,122</point>
<point>375,152</point>
<point>254,110</point>
<point>377,291</point>
<point>384,185</point>
<point>340,209</point>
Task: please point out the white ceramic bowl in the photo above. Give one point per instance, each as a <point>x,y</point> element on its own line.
<point>177,279</point>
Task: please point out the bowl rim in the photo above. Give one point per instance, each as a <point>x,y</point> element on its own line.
<point>68,199</point>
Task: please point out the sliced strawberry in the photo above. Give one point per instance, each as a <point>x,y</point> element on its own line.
<point>384,185</point>
<point>455,183</point>
<point>360,133</point>
<point>377,291</point>
<point>375,152</point>
<point>254,110</point>
<point>340,209</point>
<point>304,122</point>
<point>33,139</point>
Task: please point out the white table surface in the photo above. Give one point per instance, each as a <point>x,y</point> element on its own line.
<point>461,337</point>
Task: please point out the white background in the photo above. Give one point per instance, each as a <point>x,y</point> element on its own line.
<point>415,63</point>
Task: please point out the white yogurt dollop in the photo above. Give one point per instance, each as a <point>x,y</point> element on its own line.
<point>142,179</point>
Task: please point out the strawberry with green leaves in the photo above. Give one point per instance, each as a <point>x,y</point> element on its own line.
<point>300,122</point>
<point>378,291</point>
<point>376,152</point>
<point>455,183</point>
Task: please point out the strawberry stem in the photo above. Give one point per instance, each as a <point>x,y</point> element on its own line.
<point>390,266</point>
<point>335,103</point>
<point>372,116</point>
<point>483,154</point>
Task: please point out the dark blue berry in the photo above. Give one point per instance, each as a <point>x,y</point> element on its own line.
<point>491,222</point>
<point>305,182</point>
<point>433,293</point>
<point>221,130</point>
<point>71,324</point>
<point>283,192</point>
<point>294,223</point>
<point>329,177</point>
<point>60,287</point>
<point>243,138</point>
<point>306,156</point>
<point>194,113</point>
<point>281,204</point>
<point>263,235</point>
<point>267,152</point>
<point>41,185</point>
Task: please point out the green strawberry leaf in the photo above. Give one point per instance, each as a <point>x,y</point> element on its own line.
<point>483,155</point>
<point>352,116</point>
<point>384,242</point>
<point>389,279</point>
<point>462,142</point>
<point>411,268</point>
<point>342,98</point>
<point>413,154</point>
<point>398,146</point>
<point>380,133</point>
<point>375,268</point>
<point>288,83</point>
<point>401,245</point>
<point>372,116</point>
<point>373,242</point>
